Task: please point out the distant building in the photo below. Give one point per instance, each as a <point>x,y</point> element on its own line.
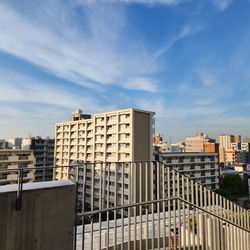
<point>243,151</point>
<point>158,139</point>
<point>44,155</point>
<point>196,143</point>
<point>202,167</point>
<point>246,140</point>
<point>3,144</point>
<point>211,147</point>
<point>225,141</point>
<point>240,167</point>
<point>15,143</point>
<point>15,159</point>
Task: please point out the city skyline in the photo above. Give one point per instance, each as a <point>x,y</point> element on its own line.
<point>184,60</point>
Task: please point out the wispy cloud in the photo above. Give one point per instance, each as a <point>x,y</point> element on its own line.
<point>222,4</point>
<point>148,2</point>
<point>187,30</point>
<point>23,89</point>
<point>93,53</point>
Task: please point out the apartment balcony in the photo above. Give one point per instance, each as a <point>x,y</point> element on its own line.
<point>112,122</point>
<point>124,130</point>
<point>111,131</point>
<point>59,129</point>
<point>13,158</point>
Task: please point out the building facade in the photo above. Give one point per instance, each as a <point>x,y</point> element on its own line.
<point>196,143</point>
<point>113,137</point>
<point>117,136</point>
<point>13,159</point>
<point>202,167</point>
<point>44,154</point>
<point>225,141</point>
<point>15,143</point>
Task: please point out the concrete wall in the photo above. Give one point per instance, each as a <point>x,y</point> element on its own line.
<point>45,221</point>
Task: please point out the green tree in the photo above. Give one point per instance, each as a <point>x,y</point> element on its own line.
<point>232,185</point>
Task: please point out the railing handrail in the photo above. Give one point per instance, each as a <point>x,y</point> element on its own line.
<point>137,204</point>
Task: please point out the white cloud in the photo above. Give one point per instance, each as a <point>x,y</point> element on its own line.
<point>22,89</point>
<point>91,53</point>
<point>147,84</point>
<point>222,4</point>
<point>185,31</point>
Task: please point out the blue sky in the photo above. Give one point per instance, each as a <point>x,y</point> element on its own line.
<point>189,61</point>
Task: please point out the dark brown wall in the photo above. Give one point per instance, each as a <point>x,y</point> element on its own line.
<point>142,136</point>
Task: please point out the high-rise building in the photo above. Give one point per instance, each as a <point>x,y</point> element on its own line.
<point>196,143</point>
<point>117,136</point>
<point>225,141</point>
<point>13,159</point>
<point>44,154</point>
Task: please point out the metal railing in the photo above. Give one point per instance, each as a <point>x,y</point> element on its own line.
<point>180,225</point>
<point>148,205</point>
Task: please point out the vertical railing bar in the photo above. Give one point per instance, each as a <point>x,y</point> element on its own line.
<point>115,212</point>
<point>152,207</point>
<point>184,211</point>
<point>158,204</point>
<point>163,207</point>
<point>92,203</point>
<point>169,209</point>
<point>179,210</point>
<point>76,204</point>
<point>193,210</point>
<point>100,207</point>
<point>174,207</point>
<point>122,211</point>
<point>140,198</point>
<point>129,210</point>
<point>197,218</point>
<point>146,195</point>
<point>201,217</point>
<point>188,208</point>
<point>135,200</point>
<point>209,219</point>
<point>108,201</point>
<point>234,232</point>
<point>206,218</point>
<point>214,222</point>
<point>83,203</point>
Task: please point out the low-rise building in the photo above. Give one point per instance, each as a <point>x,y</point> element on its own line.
<point>203,167</point>
<point>13,159</point>
<point>44,155</point>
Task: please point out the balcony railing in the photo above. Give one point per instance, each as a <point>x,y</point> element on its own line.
<point>148,205</point>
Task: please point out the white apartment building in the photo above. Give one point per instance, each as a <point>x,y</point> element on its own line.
<point>117,136</point>
<point>202,167</point>
<point>111,137</point>
<point>14,159</point>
